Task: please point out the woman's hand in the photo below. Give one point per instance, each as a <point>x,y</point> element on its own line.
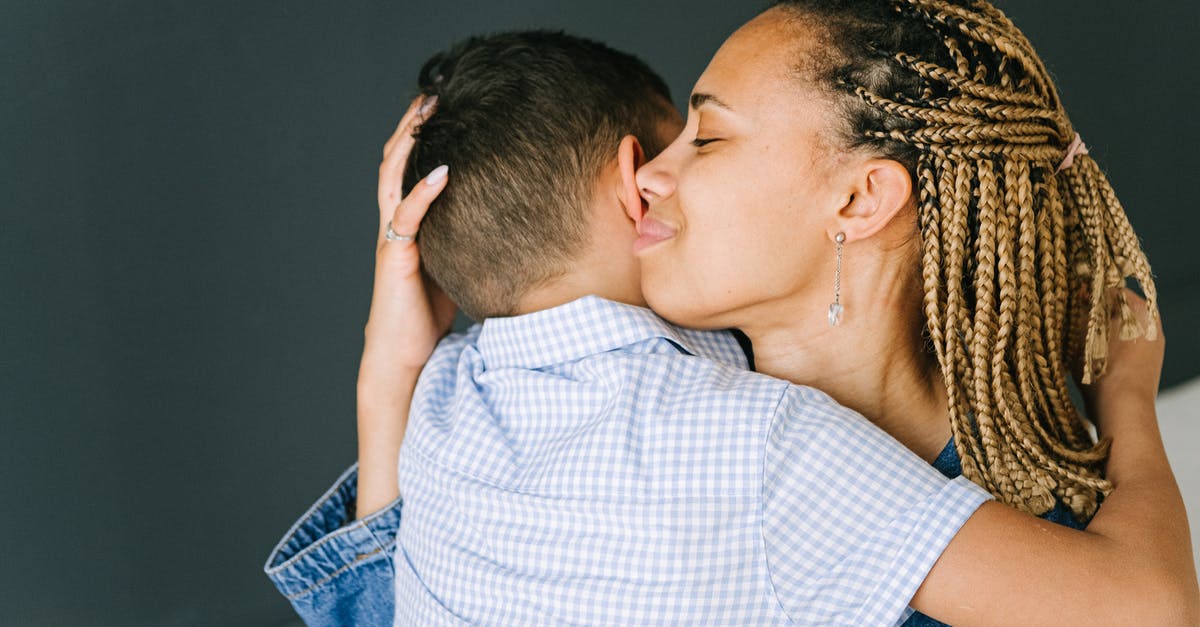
<point>1134,367</point>
<point>408,316</point>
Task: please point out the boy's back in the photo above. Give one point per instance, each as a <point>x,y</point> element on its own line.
<point>580,465</point>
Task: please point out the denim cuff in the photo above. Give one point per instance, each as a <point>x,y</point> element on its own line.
<point>326,542</point>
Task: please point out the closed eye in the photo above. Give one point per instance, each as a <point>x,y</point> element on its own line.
<point>700,142</point>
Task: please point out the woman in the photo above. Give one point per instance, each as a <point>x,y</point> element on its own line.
<point>789,147</point>
<point>889,200</point>
<point>930,139</point>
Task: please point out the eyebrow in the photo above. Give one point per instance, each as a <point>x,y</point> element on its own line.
<point>700,99</point>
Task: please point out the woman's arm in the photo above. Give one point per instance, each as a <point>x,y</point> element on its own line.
<point>1133,564</point>
<point>408,316</point>
<point>332,569</point>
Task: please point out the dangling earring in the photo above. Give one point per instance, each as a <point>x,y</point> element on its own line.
<point>835,309</point>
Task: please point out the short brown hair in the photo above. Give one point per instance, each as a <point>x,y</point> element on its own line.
<point>526,121</point>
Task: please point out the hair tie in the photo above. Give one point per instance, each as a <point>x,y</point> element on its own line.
<point>1077,147</point>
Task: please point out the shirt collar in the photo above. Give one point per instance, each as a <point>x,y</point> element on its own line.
<point>569,332</point>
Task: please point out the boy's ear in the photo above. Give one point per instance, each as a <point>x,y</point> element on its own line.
<point>630,157</point>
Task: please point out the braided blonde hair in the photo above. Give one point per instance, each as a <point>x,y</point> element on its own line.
<point>1019,259</point>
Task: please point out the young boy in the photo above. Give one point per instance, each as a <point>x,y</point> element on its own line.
<point>575,459</point>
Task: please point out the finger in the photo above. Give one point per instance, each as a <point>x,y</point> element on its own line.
<point>391,168</point>
<point>418,111</point>
<point>391,171</point>
<point>413,107</point>
<point>407,216</point>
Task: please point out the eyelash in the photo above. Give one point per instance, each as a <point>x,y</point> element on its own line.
<point>702,142</point>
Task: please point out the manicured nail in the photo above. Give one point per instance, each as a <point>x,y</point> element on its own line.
<point>437,175</point>
<point>427,105</point>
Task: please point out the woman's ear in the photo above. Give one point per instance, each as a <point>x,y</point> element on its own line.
<point>630,157</point>
<point>883,188</point>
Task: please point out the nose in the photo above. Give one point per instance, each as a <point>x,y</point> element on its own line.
<point>656,179</point>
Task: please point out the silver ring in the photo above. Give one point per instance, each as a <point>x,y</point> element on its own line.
<point>393,236</point>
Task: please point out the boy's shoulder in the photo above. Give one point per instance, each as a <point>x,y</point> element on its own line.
<point>710,364</point>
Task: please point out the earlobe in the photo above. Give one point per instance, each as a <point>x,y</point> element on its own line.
<point>885,189</point>
<point>630,157</point>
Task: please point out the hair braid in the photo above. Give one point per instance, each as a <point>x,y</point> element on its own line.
<point>1029,326</point>
<point>1019,260</point>
<point>962,65</point>
<point>1052,257</point>
<point>981,29</point>
<point>931,262</point>
<point>1037,382</point>
<point>964,84</point>
<point>954,183</point>
<point>1099,268</point>
<point>1004,392</point>
<point>991,332</point>
<point>1030,434</point>
<point>987,110</point>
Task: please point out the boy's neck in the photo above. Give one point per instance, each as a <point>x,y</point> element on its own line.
<point>606,268</point>
<point>573,286</point>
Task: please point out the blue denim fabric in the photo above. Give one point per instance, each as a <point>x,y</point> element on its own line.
<point>336,570</point>
<point>950,465</point>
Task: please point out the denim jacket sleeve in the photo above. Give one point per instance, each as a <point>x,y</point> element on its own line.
<point>336,570</point>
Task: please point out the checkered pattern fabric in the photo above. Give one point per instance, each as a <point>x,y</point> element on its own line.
<point>592,465</point>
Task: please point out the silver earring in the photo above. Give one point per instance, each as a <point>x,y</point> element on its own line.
<point>835,309</point>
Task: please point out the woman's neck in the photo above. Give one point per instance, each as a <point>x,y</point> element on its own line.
<point>872,362</point>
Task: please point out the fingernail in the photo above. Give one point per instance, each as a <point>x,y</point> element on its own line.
<point>427,104</point>
<point>437,175</point>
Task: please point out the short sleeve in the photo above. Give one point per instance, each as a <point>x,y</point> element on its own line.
<point>852,520</point>
<point>336,570</point>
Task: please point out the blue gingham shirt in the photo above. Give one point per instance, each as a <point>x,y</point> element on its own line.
<point>591,464</point>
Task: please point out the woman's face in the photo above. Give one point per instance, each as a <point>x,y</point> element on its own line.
<point>741,204</point>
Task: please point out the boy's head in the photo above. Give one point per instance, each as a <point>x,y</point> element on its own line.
<point>528,123</point>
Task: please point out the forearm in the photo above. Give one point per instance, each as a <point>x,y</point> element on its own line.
<point>1132,565</point>
<point>408,315</point>
<point>1144,519</point>
<point>383,406</point>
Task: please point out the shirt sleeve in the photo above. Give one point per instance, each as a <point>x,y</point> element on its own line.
<point>336,570</point>
<point>852,520</point>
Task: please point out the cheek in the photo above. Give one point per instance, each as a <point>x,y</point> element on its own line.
<point>740,223</point>
<point>727,254</point>
<point>750,213</point>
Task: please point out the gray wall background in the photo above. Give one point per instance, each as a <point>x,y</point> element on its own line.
<point>186,236</point>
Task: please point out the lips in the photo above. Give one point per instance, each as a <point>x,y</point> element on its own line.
<point>652,232</point>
